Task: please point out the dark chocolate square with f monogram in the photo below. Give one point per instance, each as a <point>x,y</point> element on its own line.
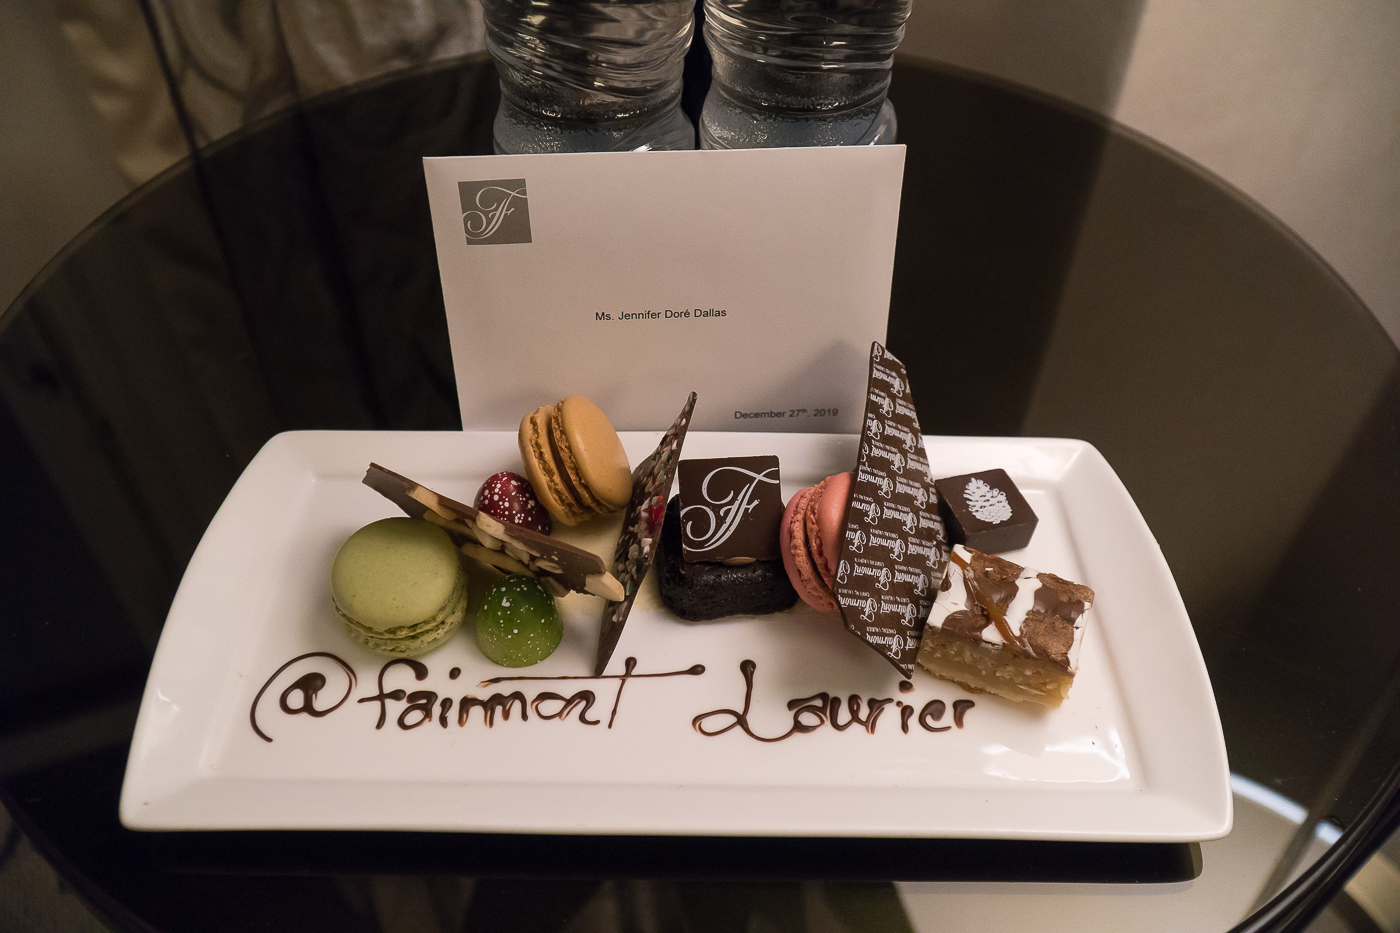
<point>730,509</point>
<point>495,212</point>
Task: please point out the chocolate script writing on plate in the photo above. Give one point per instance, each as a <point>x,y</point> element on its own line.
<point>641,530</point>
<point>304,677</point>
<point>307,687</point>
<point>420,707</point>
<point>811,713</point>
<point>894,552</point>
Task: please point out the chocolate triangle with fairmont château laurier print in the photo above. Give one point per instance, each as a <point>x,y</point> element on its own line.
<point>641,530</point>
<point>894,552</point>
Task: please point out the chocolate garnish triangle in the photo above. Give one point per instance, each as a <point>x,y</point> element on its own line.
<point>894,552</point>
<point>641,531</point>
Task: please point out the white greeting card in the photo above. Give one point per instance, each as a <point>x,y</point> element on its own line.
<point>755,278</point>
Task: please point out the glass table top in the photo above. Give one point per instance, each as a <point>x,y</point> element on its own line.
<point>1056,275</point>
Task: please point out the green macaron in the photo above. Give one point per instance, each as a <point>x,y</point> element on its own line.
<point>517,623</point>
<point>399,586</point>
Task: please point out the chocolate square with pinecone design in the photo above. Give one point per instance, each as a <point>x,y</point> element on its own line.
<point>985,511</point>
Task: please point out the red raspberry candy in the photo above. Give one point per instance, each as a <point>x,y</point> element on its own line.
<point>508,497</point>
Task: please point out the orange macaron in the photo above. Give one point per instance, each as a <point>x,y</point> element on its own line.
<point>575,460</point>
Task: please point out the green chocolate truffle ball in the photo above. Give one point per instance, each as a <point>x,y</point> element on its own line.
<point>399,586</point>
<point>518,623</point>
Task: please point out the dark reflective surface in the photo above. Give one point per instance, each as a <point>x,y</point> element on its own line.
<point>1054,276</point>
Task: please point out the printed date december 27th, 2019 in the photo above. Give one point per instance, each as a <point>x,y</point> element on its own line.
<point>788,413</point>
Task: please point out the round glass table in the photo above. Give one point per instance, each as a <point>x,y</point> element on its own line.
<point>1056,275</point>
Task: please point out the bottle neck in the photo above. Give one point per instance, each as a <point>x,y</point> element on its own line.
<point>589,61</point>
<point>777,59</point>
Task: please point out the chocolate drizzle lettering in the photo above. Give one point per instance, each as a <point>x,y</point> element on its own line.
<point>584,698</point>
<point>933,711</point>
<point>420,704</point>
<point>420,672</point>
<point>814,705</point>
<point>833,714</point>
<point>497,702</point>
<point>630,665</point>
<point>960,708</point>
<point>822,709</point>
<point>308,685</point>
<point>741,718</point>
<point>424,706</point>
<point>308,705</point>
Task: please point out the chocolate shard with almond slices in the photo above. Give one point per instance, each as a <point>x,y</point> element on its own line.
<point>506,548</point>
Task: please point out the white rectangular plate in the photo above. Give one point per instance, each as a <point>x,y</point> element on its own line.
<point>227,737</point>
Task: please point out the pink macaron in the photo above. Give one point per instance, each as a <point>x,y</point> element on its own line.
<point>810,539</point>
